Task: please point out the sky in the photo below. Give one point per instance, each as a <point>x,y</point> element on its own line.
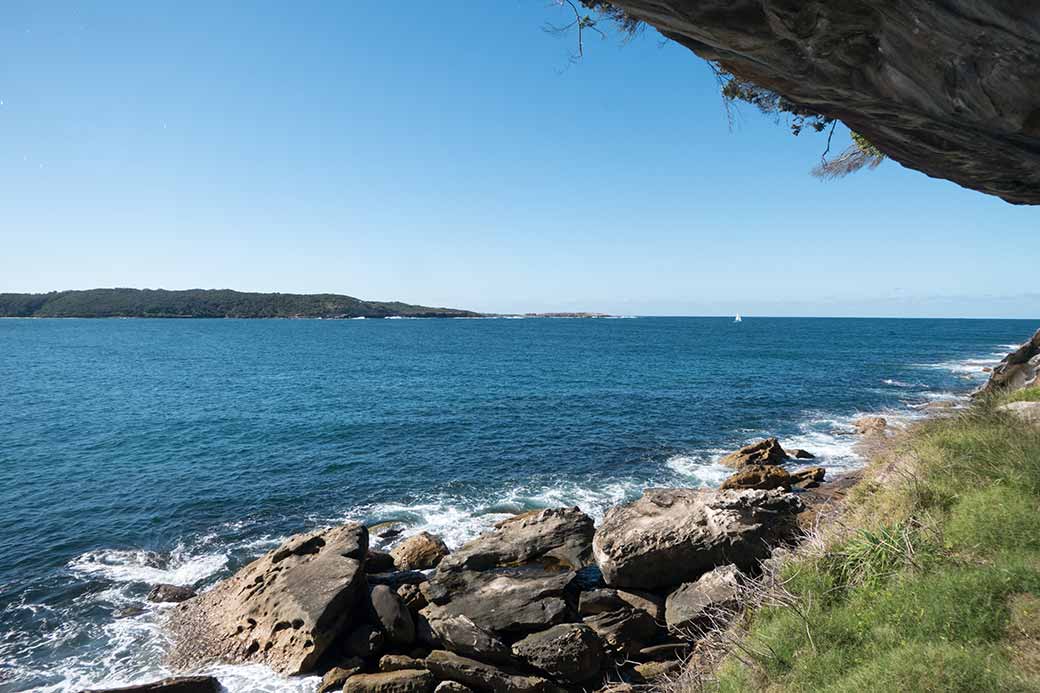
<point>450,154</point>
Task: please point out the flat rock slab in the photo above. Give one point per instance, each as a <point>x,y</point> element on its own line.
<point>404,681</point>
<point>282,610</point>
<point>709,596</point>
<point>481,676</point>
<point>180,684</point>
<point>569,651</point>
<point>672,536</point>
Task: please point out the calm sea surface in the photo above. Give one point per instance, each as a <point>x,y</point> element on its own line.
<point>144,451</point>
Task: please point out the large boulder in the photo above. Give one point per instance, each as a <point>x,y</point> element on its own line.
<point>403,681</point>
<point>570,652</point>
<point>180,684</point>
<point>711,595</point>
<point>601,600</point>
<point>1019,369</point>
<point>393,616</point>
<point>419,552</point>
<point>671,536</point>
<point>170,593</point>
<point>555,537</point>
<point>766,451</point>
<point>626,631</point>
<point>866,425</point>
<point>282,610</point>
<point>335,677</point>
<point>460,634</point>
<point>761,476</point>
<point>481,676</point>
<point>808,478</point>
<point>364,641</point>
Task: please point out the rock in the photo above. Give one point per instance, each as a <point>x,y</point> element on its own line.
<point>379,562</point>
<point>870,424</point>
<point>424,634</point>
<point>1019,369</point>
<point>568,651</point>
<point>393,616</point>
<point>799,454</point>
<point>178,684</point>
<point>648,672</point>
<point>671,536</point>
<point>481,676</point>
<point>170,593</point>
<point>459,633</point>
<point>335,678</point>
<point>404,681</point>
<point>1025,411</point>
<point>394,662</point>
<point>762,476</point>
<point>808,478</point>
<point>397,578</point>
<point>419,552</point>
<point>556,537</point>
<point>282,610</point>
<point>412,597</point>
<point>711,595</point>
<point>364,641</point>
<point>605,599</point>
<point>625,631</point>
<point>924,97</point>
<point>766,451</point>
<point>504,601</point>
<point>452,687</point>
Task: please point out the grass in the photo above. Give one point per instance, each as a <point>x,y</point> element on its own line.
<point>933,585</point>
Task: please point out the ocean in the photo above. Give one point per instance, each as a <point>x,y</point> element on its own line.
<point>144,451</point>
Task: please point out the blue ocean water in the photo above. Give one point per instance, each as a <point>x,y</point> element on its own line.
<point>144,451</point>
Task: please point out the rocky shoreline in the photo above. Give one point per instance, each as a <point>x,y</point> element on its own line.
<point>546,601</point>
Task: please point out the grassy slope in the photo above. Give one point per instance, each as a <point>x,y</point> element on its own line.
<point>933,586</point>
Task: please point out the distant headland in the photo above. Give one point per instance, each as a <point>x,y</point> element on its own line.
<point>209,303</point>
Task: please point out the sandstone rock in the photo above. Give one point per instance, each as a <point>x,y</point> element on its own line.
<point>481,676</point>
<point>766,451</point>
<point>379,562</point>
<point>452,687</point>
<point>605,599</point>
<point>625,631</point>
<point>648,672</point>
<point>404,681</point>
<point>393,616</point>
<point>396,662</point>
<point>569,652</point>
<point>459,633</point>
<point>419,552</point>
<point>337,676</point>
<point>1025,411</point>
<point>179,684</point>
<point>807,478</point>
<point>365,641</point>
<point>558,537</point>
<point>712,594</point>
<point>671,536</point>
<point>397,578</point>
<point>504,601</point>
<point>870,424</point>
<point>761,476</point>
<point>170,593</point>
<point>283,609</point>
<point>412,596</point>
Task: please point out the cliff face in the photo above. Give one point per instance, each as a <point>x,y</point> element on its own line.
<point>947,87</point>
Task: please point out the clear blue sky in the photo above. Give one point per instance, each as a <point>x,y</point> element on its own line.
<point>439,153</point>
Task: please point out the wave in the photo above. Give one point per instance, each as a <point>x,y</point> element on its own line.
<point>891,382</point>
<point>179,567</point>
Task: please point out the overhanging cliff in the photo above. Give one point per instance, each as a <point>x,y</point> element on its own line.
<point>947,87</point>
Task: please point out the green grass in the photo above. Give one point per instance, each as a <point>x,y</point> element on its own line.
<point>927,592</point>
<point>1030,394</point>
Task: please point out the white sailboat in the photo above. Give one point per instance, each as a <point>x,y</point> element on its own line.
<point>738,318</point>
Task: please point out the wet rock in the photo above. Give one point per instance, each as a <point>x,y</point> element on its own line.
<point>170,593</point>
<point>364,641</point>
<point>282,610</point>
<point>625,631</point>
<point>712,595</point>
<point>808,478</point>
<point>606,599</point>
<point>799,454</point>
<point>393,616</point>
<point>870,424</point>
<point>671,536</point>
<point>379,562</point>
<point>758,476</point>
<point>481,676</point>
<point>334,678</point>
<point>395,662</point>
<point>419,552</point>
<point>178,684</point>
<point>766,451</point>
<point>570,652</point>
<point>556,537</point>
<point>404,681</point>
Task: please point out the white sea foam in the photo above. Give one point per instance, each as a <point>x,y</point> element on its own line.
<point>699,469</point>
<point>121,565</point>
<point>899,383</point>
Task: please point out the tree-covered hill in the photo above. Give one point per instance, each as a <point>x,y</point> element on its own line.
<point>207,303</point>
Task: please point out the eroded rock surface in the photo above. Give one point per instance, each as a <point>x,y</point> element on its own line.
<point>1017,370</point>
<point>570,652</point>
<point>283,610</point>
<point>419,552</point>
<point>763,452</point>
<point>947,88</point>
